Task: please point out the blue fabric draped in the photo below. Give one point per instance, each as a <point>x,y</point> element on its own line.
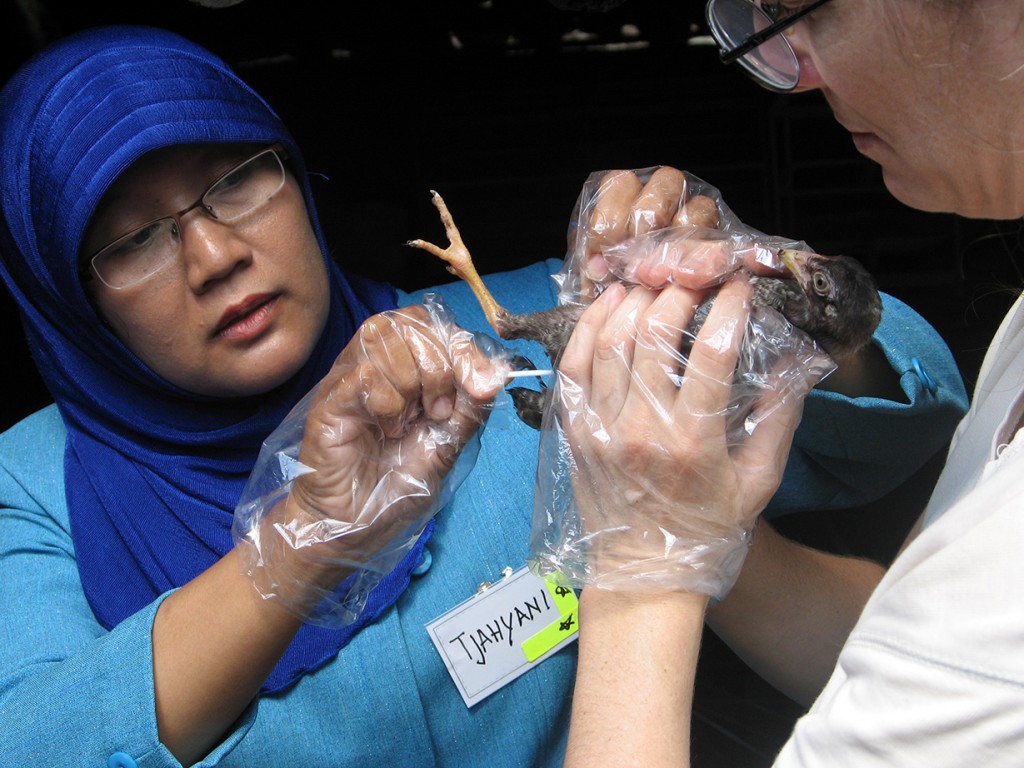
<point>153,472</point>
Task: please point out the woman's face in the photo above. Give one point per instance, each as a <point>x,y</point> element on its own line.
<point>241,308</point>
<point>930,90</point>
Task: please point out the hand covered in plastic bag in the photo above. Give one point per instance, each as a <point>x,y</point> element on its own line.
<point>347,483</point>
<point>663,443</point>
<point>658,225</point>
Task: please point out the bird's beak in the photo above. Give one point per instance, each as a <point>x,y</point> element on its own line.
<point>794,260</point>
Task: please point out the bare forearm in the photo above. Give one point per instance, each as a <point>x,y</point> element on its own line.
<point>634,686</point>
<point>214,643</point>
<point>866,373</point>
<point>791,610</point>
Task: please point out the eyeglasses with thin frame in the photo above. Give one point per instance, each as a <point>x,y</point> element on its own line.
<point>147,250</point>
<point>750,32</point>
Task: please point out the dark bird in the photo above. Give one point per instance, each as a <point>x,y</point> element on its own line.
<point>832,298</point>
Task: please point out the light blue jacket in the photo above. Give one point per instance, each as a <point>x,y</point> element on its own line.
<point>74,694</point>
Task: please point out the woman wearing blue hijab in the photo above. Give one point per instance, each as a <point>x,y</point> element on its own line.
<point>131,634</point>
<point>163,426</point>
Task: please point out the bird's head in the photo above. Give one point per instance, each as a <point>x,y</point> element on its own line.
<point>843,306</point>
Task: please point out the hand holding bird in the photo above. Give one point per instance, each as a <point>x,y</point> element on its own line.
<point>675,229</point>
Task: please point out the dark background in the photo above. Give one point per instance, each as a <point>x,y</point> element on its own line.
<point>505,107</point>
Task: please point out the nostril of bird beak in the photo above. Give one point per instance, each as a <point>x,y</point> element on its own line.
<point>793,260</point>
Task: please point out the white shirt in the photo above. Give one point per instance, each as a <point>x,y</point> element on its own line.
<point>933,673</point>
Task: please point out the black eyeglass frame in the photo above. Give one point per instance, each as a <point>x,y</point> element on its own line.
<point>758,38</point>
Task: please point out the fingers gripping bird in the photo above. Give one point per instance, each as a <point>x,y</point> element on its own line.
<point>832,298</point>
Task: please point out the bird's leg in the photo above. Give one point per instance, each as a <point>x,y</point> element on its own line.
<point>460,263</point>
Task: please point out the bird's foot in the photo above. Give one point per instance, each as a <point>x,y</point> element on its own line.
<point>460,263</point>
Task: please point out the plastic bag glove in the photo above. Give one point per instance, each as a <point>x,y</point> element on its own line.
<point>654,226</point>
<point>662,444</point>
<point>344,486</point>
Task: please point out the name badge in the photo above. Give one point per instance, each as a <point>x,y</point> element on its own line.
<point>503,631</point>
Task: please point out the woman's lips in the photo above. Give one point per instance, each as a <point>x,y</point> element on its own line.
<point>248,318</point>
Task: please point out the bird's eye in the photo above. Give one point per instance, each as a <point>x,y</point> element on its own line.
<point>822,284</point>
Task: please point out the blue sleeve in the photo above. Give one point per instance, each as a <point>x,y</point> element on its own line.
<point>70,691</point>
<point>847,451</point>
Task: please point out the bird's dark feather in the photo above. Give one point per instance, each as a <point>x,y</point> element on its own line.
<point>833,298</point>
<point>836,302</point>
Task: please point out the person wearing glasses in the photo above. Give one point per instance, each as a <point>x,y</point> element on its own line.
<point>160,239</point>
<point>918,664</point>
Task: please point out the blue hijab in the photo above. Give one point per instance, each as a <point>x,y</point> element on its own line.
<point>152,472</point>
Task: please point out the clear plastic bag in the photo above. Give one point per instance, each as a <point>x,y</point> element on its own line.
<point>701,230</point>
<point>636,533</point>
<point>395,474</point>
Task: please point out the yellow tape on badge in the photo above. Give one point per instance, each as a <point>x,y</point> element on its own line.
<point>566,626</point>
